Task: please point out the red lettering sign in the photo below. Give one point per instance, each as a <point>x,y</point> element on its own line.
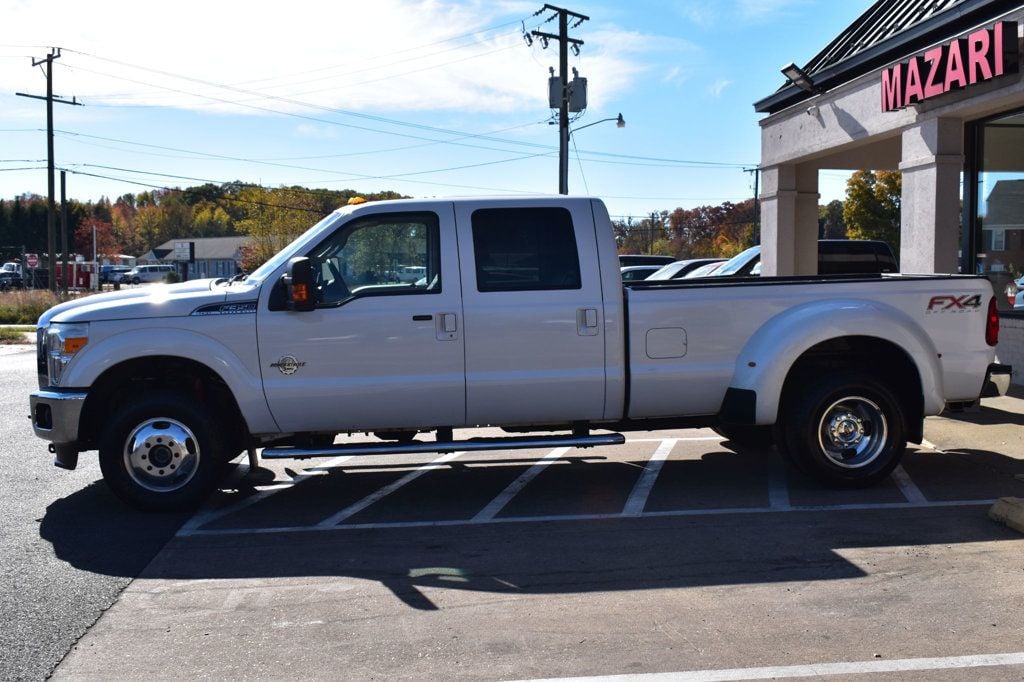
<point>983,55</point>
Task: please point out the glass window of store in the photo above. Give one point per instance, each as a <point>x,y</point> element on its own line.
<point>994,205</point>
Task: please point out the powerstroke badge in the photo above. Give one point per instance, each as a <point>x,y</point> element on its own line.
<point>954,304</point>
<point>287,365</point>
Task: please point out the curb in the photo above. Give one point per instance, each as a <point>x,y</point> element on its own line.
<point>1009,511</point>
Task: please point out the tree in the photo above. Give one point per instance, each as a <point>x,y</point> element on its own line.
<point>830,219</point>
<point>106,241</point>
<point>872,207</point>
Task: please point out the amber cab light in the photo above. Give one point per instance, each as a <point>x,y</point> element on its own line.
<point>992,324</point>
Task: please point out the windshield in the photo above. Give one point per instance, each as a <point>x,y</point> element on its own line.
<point>736,263</point>
<point>263,271</point>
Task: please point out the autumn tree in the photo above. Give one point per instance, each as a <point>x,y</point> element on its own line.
<point>872,207</point>
<point>830,220</point>
<point>106,241</point>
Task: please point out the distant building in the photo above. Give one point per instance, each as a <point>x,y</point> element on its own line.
<point>214,256</point>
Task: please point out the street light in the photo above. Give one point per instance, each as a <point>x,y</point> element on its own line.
<point>564,162</point>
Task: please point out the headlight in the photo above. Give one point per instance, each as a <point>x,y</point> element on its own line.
<point>63,341</point>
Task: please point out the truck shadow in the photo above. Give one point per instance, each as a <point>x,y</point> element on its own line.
<point>719,545</point>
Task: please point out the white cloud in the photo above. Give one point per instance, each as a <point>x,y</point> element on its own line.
<point>383,55</point>
<point>718,87</point>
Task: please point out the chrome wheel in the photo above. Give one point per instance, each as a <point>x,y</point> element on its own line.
<point>161,455</point>
<point>852,432</point>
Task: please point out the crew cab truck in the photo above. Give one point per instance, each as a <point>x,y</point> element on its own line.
<point>520,321</point>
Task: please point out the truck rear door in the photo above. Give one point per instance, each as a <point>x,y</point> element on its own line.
<point>533,312</point>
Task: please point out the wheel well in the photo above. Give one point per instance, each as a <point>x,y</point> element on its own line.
<point>133,377</point>
<point>883,360</point>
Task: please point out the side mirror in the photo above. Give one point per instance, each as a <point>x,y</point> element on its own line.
<point>301,289</point>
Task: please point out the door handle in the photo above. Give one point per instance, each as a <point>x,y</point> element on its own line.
<point>447,326</point>
<point>422,318</point>
<point>587,322</point>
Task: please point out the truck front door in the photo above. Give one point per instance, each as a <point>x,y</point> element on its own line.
<point>378,352</point>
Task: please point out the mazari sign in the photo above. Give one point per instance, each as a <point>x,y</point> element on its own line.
<point>983,55</point>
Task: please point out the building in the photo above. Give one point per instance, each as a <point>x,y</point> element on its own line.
<point>931,88</point>
<point>210,256</point>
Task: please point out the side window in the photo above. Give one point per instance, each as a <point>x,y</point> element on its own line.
<point>525,249</point>
<point>378,255</point>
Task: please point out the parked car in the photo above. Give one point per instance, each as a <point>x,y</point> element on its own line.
<point>628,260</point>
<point>113,273</point>
<point>637,273</point>
<point>835,257</point>
<point>681,268</point>
<point>147,273</point>
<point>704,270</point>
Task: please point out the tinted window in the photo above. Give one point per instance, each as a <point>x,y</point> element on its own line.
<point>525,249</point>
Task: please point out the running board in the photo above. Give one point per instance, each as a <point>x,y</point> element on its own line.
<point>473,444</point>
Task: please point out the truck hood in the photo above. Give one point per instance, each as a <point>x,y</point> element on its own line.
<point>151,301</point>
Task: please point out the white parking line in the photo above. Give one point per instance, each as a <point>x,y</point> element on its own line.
<point>907,486</point>
<point>812,670</point>
<point>362,504</point>
<point>642,490</point>
<point>595,517</point>
<point>204,517</point>
<point>505,496</point>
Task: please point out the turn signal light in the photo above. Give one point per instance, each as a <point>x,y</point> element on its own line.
<point>74,344</point>
<point>992,323</point>
<point>300,293</point>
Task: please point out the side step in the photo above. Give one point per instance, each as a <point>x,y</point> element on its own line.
<point>473,444</point>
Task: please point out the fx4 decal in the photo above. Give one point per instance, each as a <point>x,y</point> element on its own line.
<point>956,304</point>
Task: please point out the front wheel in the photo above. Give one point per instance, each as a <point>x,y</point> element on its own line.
<point>162,453</point>
<point>846,431</point>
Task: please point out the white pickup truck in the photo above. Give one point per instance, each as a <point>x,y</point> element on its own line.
<point>520,320</point>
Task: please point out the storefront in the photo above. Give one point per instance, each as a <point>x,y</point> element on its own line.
<point>932,88</point>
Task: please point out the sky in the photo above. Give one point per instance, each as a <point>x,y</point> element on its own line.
<point>423,97</point>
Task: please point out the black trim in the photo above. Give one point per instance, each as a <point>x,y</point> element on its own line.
<point>739,406</point>
<point>943,26</point>
<point>627,371</point>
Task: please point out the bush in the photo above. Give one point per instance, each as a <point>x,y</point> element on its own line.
<point>172,278</point>
<point>25,307</point>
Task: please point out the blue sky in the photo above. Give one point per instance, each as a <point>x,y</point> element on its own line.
<point>427,98</point>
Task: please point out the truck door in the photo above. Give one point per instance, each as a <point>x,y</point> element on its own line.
<point>379,351</point>
<point>535,347</point>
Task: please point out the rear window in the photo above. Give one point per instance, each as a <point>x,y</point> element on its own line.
<point>525,249</point>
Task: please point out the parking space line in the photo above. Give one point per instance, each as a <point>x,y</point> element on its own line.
<point>728,511</point>
<point>642,490</point>
<point>505,496</point>
<point>907,486</point>
<point>204,517</point>
<point>812,670</point>
<point>362,504</point>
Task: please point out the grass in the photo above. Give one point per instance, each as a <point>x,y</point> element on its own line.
<point>25,307</point>
<point>10,335</point>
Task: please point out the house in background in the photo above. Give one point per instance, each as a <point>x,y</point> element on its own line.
<point>212,256</point>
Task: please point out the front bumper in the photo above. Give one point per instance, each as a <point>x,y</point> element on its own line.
<point>997,380</point>
<point>55,414</point>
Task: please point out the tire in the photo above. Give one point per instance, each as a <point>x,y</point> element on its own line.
<point>136,280</point>
<point>162,452</point>
<point>847,431</point>
<point>761,437</point>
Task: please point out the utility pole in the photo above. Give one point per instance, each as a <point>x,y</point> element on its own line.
<point>51,228</point>
<point>757,204</point>
<point>63,233</point>
<point>564,41</point>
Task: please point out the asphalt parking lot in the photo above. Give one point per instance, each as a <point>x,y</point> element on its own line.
<point>676,553</point>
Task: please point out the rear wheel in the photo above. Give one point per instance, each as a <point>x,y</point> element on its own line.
<point>162,453</point>
<point>846,431</point>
